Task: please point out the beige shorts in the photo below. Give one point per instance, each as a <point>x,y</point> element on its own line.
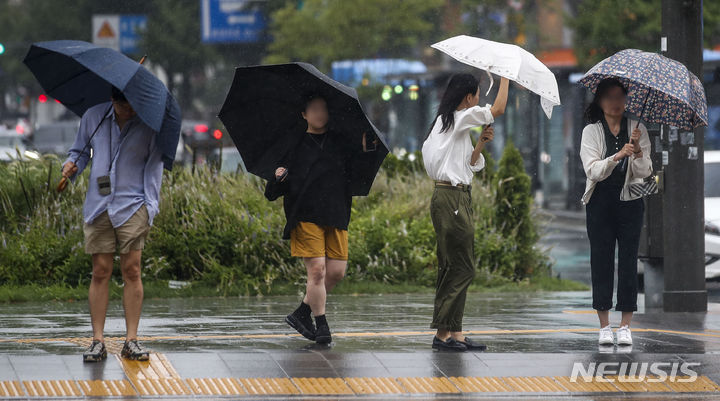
<point>102,237</point>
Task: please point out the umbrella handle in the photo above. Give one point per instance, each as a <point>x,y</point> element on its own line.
<point>623,164</point>
<point>62,184</point>
<point>492,81</point>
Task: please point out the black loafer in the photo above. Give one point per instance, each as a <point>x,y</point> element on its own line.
<point>450,345</point>
<point>473,346</point>
<point>303,326</point>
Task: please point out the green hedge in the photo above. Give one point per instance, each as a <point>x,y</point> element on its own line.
<point>219,230</point>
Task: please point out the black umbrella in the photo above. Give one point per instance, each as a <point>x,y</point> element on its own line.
<point>262,113</point>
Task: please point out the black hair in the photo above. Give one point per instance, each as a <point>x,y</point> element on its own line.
<point>459,86</point>
<point>309,97</point>
<point>594,112</point>
<point>117,95</point>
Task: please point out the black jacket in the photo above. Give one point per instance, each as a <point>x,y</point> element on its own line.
<point>316,188</point>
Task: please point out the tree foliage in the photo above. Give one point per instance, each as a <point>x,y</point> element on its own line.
<point>605,27</point>
<point>322,31</point>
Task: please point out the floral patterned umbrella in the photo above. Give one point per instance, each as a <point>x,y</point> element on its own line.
<point>660,90</point>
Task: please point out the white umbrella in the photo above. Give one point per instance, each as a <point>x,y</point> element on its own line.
<point>506,60</point>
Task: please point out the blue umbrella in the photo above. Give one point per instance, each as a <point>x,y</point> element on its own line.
<point>80,75</point>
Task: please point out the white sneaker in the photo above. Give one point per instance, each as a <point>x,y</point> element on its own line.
<point>606,336</point>
<point>623,336</point>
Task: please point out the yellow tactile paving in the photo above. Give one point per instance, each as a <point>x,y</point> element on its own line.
<point>156,376</point>
<point>480,384</point>
<point>158,367</point>
<point>374,385</point>
<point>215,386</point>
<point>52,388</point>
<point>582,386</point>
<point>427,385</point>
<point>321,385</point>
<point>701,384</point>
<point>99,388</point>
<point>348,386</point>
<point>534,384</point>
<point>272,386</point>
<point>11,389</point>
<point>159,387</point>
<point>635,384</point>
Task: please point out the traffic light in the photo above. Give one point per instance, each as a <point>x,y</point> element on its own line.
<point>217,134</point>
<point>2,48</point>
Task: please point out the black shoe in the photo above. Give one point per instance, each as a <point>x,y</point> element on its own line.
<point>133,350</point>
<point>303,324</point>
<point>450,345</point>
<point>473,346</point>
<point>322,336</point>
<point>96,352</point>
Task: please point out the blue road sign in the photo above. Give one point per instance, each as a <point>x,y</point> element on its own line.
<point>130,28</point>
<point>227,21</point>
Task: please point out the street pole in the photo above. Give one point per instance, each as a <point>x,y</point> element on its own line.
<point>683,195</point>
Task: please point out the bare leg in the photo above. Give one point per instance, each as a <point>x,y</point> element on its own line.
<point>626,318</point>
<point>315,295</point>
<point>98,292</point>
<point>443,334</point>
<point>604,317</point>
<point>132,291</point>
<point>334,272</point>
<point>457,335</point>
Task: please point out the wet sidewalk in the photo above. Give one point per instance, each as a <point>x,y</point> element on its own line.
<point>242,348</point>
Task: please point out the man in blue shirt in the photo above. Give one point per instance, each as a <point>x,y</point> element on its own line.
<point>121,203</point>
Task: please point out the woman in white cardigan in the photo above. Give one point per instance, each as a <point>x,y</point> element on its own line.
<point>615,152</point>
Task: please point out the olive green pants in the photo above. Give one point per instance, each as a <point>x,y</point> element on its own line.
<point>452,217</point>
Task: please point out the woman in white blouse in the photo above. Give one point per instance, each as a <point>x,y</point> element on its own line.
<point>451,159</point>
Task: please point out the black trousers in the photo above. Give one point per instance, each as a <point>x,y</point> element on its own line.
<point>611,221</point>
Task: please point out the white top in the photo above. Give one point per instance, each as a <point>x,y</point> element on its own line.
<point>447,154</point>
<point>598,167</point>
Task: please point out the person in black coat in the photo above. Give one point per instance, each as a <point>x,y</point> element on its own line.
<point>313,178</point>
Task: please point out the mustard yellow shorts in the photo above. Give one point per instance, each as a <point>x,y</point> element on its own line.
<point>309,240</point>
<point>102,237</point>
